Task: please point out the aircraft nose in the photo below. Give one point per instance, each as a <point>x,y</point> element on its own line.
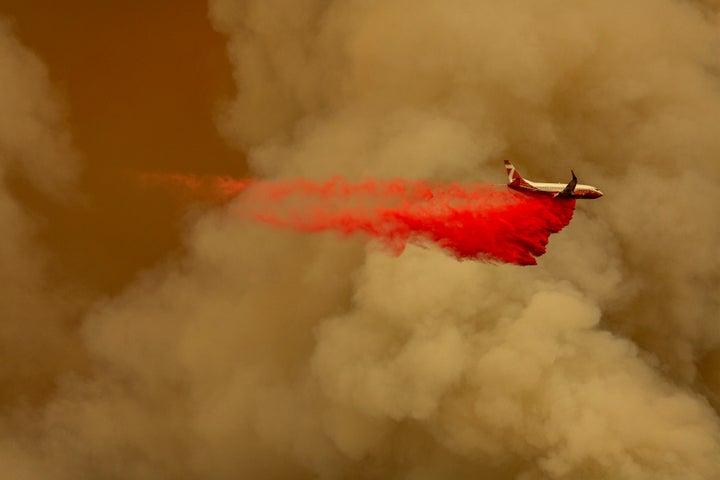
<point>597,194</point>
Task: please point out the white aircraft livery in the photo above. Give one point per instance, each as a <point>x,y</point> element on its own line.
<point>571,190</point>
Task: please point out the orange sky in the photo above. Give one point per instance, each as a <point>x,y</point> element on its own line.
<point>141,82</point>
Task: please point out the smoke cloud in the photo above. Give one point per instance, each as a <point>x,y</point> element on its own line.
<point>269,354</point>
<point>34,342</point>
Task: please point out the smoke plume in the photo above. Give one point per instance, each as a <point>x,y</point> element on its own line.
<point>267,353</point>
<point>34,342</point>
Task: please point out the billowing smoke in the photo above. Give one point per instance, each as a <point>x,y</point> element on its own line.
<point>265,353</point>
<point>34,343</point>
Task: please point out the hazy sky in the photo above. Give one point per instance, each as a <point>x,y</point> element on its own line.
<point>139,83</point>
<point>142,336</point>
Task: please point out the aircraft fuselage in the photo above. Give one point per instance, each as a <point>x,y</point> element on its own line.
<point>554,189</point>
<point>559,190</point>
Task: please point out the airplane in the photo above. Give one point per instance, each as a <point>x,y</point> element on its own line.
<point>571,190</point>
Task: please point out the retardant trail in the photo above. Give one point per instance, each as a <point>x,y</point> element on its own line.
<point>471,221</point>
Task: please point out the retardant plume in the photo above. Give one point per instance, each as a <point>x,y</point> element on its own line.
<point>205,187</point>
<point>471,221</point>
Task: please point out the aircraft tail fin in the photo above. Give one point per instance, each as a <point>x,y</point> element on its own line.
<point>512,173</point>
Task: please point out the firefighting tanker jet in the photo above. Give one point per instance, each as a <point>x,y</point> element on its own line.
<point>571,190</point>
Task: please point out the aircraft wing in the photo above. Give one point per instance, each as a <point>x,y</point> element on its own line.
<point>570,188</point>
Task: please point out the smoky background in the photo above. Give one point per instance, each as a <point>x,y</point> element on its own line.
<point>236,350</point>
